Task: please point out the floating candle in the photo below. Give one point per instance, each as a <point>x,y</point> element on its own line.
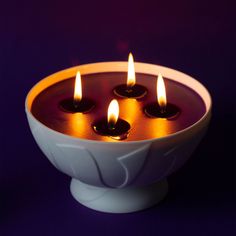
<point>77,103</point>
<point>113,126</point>
<point>131,89</point>
<point>161,109</point>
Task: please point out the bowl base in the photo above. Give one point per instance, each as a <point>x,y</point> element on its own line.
<point>115,200</point>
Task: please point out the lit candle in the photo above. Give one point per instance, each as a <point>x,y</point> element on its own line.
<point>160,108</point>
<point>77,103</point>
<point>112,126</point>
<point>130,89</point>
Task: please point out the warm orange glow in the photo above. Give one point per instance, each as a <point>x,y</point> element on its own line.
<point>113,113</point>
<point>131,71</point>
<point>78,88</point>
<point>161,93</point>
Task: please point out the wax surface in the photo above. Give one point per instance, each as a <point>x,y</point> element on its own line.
<point>99,87</point>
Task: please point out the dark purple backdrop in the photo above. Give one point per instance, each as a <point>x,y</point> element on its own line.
<point>38,38</point>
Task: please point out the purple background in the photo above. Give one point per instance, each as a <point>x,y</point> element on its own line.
<point>38,38</point>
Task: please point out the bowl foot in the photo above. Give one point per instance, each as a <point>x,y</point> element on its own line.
<point>115,200</point>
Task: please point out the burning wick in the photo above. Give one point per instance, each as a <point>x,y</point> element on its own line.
<point>77,90</point>
<point>112,125</point>
<point>161,93</point>
<point>130,89</point>
<point>112,114</point>
<point>131,80</point>
<point>161,109</point>
<point>77,103</point>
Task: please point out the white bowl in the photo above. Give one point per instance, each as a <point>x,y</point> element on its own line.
<point>118,177</point>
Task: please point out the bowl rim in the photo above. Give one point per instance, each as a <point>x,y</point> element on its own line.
<point>121,66</point>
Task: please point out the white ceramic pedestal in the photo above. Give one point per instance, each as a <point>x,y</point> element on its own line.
<point>114,200</point>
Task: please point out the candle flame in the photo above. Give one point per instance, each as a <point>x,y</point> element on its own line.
<point>131,71</point>
<point>78,88</point>
<point>161,93</point>
<point>113,113</point>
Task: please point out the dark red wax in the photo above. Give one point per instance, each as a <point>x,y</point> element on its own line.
<point>71,106</point>
<point>170,111</point>
<point>137,91</point>
<point>99,88</point>
<point>119,131</point>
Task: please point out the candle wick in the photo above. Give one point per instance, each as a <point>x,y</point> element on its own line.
<point>75,103</point>
<point>111,126</point>
<point>129,88</point>
<point>163,109</point>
